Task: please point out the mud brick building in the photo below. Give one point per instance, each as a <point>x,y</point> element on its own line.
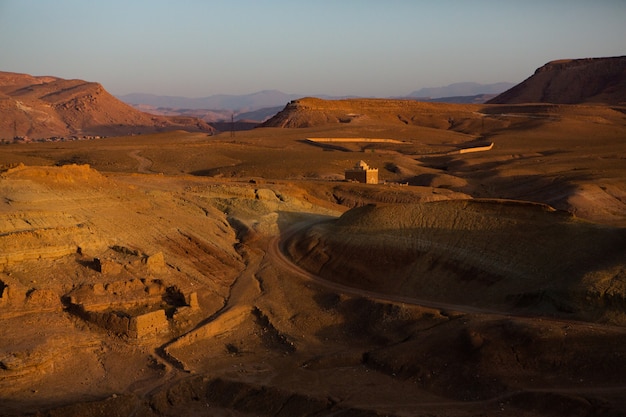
<point>362,173</point>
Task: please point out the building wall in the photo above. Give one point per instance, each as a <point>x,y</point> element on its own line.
<point>148,323</point>
<point>369,176</point>
<point>358,176</point>
<point>124,324</point>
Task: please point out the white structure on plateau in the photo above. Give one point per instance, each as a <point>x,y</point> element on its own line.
<point>362,173</point>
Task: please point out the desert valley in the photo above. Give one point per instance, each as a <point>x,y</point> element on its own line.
<point>156,265</point>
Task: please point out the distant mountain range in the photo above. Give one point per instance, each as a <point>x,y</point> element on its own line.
<point>461,90</point>
<point>237,103</point>
<point>261,105</point>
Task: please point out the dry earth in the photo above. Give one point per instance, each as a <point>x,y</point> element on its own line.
<point>180,274</point>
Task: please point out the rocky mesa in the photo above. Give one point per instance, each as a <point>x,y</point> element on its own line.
<point>312,112</point>
<point>572,81</point>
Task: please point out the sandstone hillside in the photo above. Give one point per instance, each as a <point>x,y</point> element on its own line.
<point>44,107</point>
<point>158,285</point>
<point>488,253</point>
<point>572,81</point>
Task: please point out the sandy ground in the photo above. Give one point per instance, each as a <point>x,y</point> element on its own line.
<point>264,293</point>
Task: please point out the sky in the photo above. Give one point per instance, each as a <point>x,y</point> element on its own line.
<point>368,48</point>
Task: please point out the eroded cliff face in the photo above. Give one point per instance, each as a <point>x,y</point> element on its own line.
<point>97,273</point>
<point>50,107</point>
<point>572,81</point>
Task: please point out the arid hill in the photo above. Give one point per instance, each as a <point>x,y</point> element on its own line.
<point>45,107</point>
<point>572,81</point>
<point>310,112</point>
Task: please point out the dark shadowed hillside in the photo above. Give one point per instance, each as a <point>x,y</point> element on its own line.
<point>43,107</point>
<point>572,81</point>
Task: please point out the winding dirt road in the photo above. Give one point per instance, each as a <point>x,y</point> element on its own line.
<point>276,253</point>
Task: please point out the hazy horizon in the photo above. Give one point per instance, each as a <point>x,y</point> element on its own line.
<point>362,48</point>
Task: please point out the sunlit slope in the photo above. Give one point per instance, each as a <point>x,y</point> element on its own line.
<point>311,112</point>
<point>572,81</point>
<point>45,107</point>
<point>491,254</point>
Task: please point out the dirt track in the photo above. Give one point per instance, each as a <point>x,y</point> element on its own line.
<point>276,251</point>
<point>144,163</point>
<point>277,254</point>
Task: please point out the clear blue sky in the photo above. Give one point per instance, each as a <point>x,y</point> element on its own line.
<point>380,48</point>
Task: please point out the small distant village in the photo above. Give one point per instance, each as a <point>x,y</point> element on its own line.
<point>26,139</point>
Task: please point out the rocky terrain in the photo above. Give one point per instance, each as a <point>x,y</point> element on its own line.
<point>572,81</point>
<point>178,273</point>
<point>50,107</point>
<point>456,252</point>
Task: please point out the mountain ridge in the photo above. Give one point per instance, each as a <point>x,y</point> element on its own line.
<point>461,89</point>
<point>240,103</point>
<point>463,92</point>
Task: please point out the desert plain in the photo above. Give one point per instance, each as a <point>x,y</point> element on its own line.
<point>239,274</point>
